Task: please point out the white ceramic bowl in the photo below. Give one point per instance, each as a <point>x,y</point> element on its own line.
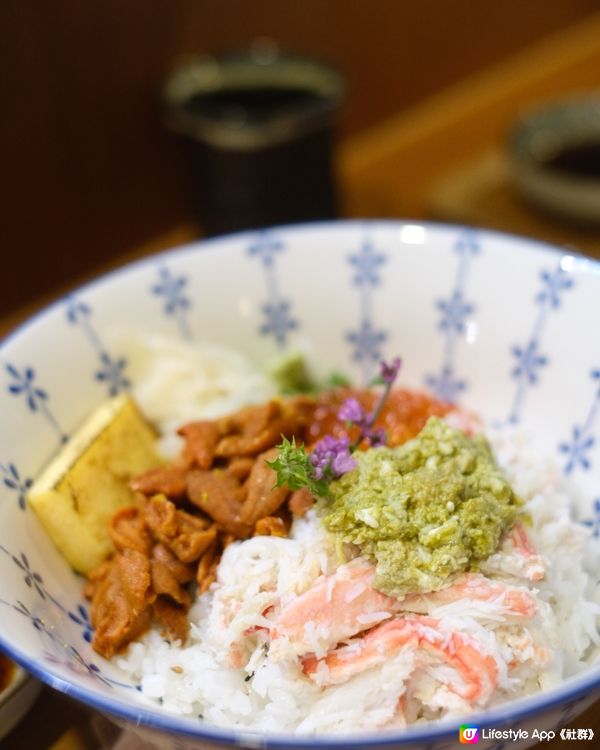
<point>502,324</point>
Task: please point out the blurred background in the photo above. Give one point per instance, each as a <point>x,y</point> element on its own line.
<point>92,177</point>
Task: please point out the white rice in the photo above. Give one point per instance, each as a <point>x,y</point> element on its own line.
<point>269,691</point>
<point>178,382</point>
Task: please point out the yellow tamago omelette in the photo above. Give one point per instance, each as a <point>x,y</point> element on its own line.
<point>82,487</point>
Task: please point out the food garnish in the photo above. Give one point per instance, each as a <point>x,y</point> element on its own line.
<point>331,457</point>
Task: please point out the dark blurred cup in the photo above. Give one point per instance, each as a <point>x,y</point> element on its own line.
<point>257,131</point>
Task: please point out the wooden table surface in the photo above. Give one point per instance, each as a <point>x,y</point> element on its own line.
<point>443,159</point>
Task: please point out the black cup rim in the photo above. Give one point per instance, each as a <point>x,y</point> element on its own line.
<point>210,73</point>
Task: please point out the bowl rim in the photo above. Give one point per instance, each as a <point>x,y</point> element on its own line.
<point>508,713</point>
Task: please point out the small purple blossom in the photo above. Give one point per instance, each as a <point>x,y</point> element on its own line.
<point>376,437</point>
<point>389,372</point>
<point>332,455</point>
<point>352,411</point>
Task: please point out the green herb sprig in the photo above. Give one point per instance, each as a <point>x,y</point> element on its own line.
<point>295,470</point>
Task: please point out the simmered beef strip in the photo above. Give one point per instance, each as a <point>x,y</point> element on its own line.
<point>166,480</point>
<point>207,567</point>
<point>249,420</point>
<point>301,501</point>
<point>186,535</point>
<point>169,575</point>
<point>255,428</point>
<point>134,571</point>
<point>262,498</point>
<point>121,598</point>
<point>271,526</point>
<point>128,530</point>
<point>240,467</point>
<point>172,617</point>
<point>201,440</point>
<point>220,496</point>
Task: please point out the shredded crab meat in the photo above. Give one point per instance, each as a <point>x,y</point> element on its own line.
<point>476,672</point>
<point>514,602</point>
<point>336,606</point>
<point>345,603</point>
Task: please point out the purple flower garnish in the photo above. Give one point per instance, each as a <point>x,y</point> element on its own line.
<point>376,437</point>
<point>332,455</point>
<point>352,411</point>
<point>389,372</point>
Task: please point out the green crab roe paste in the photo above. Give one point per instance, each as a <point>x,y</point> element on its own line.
<point>429,509</point>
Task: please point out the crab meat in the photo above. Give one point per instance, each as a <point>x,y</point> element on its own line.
<point>517,557</point>
<point>339,606</point>
<point>515,602</point>
<point>336,607</point>
<point>476,673</point>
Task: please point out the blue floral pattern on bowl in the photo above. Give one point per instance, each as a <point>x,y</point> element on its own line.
<point>367,340</point>
<point>455,313</point>
<point>176,304</point>
<point>277,312</point>
<point>529,357</point>
<point>111,369</point>
<point>13,480</point>
<point>23,385</point>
